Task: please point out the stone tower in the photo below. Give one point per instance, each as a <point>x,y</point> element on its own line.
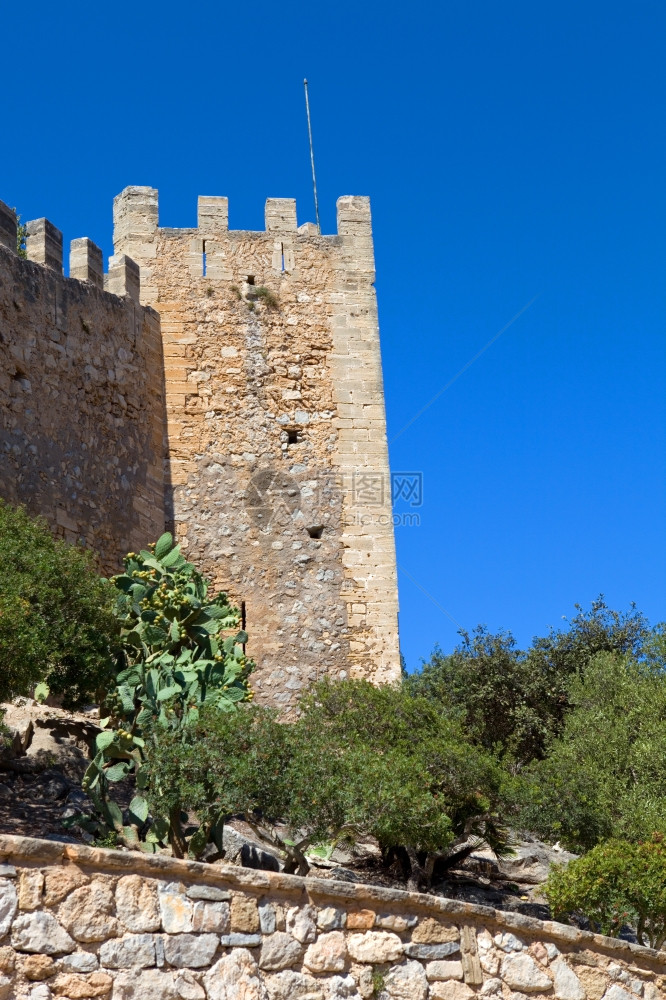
<point>277,467</point>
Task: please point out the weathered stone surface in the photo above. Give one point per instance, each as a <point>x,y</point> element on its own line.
<point>128,952</point>
<point>327,954</point>
<point>594,981</point>
<point>341,987</point>
<point>40,992</point>
<point>240,940</point>
<point>267,918</point>
<point>360,920</point>
<point>177,911</point>
<point>31,884</point>
<point>472,970</point>
<point>7,959</point>
<point>539,951</point>
<point>188,987</point>
<point>8,905</point>
<point>7,871</point>
<point>146,984</point>
<point>244,914</point>
<point>88,913</point>
<point>279,951</point>
<point>363,976</point>
<point>451,990</point>
<point>59,882</point>
<point>302,923</point>
<point>520,972</point>
<point>209,892</point>
<point>41,932</point>
<point>490,962</point>
<point>406,982</point>
<point>5,986</point>
<point>566,983</point>
<point>211,917</point>
<point>79,961</point>
<point>97,984</point>
<point>616,992</point>
<point>290,985</point>
<point>137,906</point>
<point>375,947</point>
<point>431,931</point>
<point>330,918</point>
<point>444,970</point>
<point>395,922</point>
<point>431,952</point>
<point>235,977</point>
<point>491,987</point>
<point>38,967</point>
<point>192,951</point>
<point>508,942</point>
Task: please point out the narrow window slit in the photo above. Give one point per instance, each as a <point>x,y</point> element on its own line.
<point>203,258</point>
<point>315,530</point>
<point>250,279</point>
<point>292,437</point>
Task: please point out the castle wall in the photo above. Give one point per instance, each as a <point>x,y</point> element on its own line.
<point>78,923</point>
<point>81,396</point>
<point>277,453</point>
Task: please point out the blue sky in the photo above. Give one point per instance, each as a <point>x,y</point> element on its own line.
<point>510,151</point>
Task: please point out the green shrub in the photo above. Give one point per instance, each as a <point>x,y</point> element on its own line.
<point>360,760</point>
<point>605,776</point>
<point>181,651</point>
<point>56,614</point>
<point>616,884</point>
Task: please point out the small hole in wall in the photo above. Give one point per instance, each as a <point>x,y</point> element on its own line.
<point>203,259</point>
<point>315,530</point>
<point>250,279</point>
<point>292,437</point>
<point>18,375</point>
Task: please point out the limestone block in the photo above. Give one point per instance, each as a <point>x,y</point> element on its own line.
<point>244,914</point>
<point>290,985</point>
<point>395,922</point>
<point>193,951</point>
<point>617,993</point>
<point>128,952</point>
<point>211,893</point>
<point>124,277</point>
<point>60,882</point>
<point>38,967</point>
<point>31,884</point>
<point>73,987</point>
<point>86,262</point>
<point>281,215</point>
<point>267,918</point>
<point>44,243</point>
<point>212,214</point>
<point>137,906</point>
<point>520,972</point>
<point>508,942</point>
<point>5,986</point>
<point>88,913</point>
<point>406,982</point>
<point>566,983</point>
<point>211,917</point>
<point>8,905</point>
<point>327,954</point>
<point>431,931</point>
<point>41,992</point>
<point>176,910</point>
<point>451,990</point>
<point>431,952</point>
<point>490,962</point>
<point>7,959</point>
<point>444,970</point>
<point>279,951</point>
<point>331,919</point>
<point>301,923</point>
<point>40,932</point>
<point>238,940</point>
<point>235,977</point>
<point>146,984</point>
<point>79,961</point>
<point>375,947</point>
<point>360,920</point>
<point>187,986</point>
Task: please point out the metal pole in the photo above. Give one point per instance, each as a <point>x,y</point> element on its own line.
<point>314,176</point>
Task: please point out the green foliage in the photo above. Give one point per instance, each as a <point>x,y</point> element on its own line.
<point>616,884</point>
<point>268,297</point>
<point>515,701</point>
<point>605,776</point>
<point>56,614</point>
<point>360,760</point>
<point>177,658</point>
<point>21,235</point>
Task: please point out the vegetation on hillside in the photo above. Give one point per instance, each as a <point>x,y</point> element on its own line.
<point>566,739</point>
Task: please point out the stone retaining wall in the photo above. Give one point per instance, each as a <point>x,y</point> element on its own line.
<point>79,923</point>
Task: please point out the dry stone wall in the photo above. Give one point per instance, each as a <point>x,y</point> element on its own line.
<point>80,923</point>
<point>277,453</point>
<point>81,395</point>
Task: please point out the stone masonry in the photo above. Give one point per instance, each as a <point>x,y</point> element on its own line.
<point>277,460</point>
<point>79,923</point>
<point>81,395</point>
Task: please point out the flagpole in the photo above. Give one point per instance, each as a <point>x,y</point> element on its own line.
<point>312,162</point>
